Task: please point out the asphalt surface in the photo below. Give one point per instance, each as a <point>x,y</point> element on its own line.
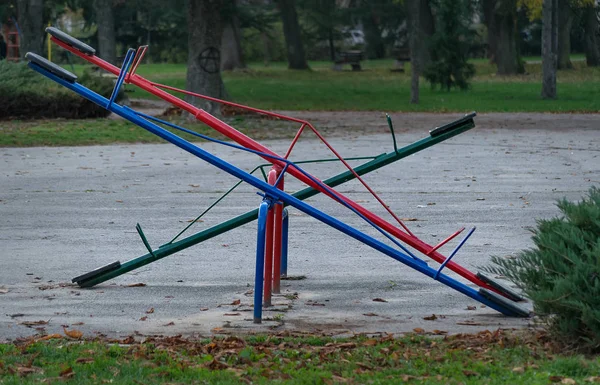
<point>65,211</point>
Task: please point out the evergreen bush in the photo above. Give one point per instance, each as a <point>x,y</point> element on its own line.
<point>450,45</point>
<point>25,94</point>
<point>561,274</point>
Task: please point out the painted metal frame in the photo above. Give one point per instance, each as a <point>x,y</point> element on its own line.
<point>273,194</point>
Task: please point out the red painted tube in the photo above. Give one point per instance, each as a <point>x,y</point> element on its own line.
<point>272,178</point>
<point>277,239</point>
<point>248,142</point>
<point>442,243</point>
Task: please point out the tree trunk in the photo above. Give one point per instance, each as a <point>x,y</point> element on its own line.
<point>374,42</point>
<point>426,27</point>
<point>231,45</point>
<point>293,36</point>
<point>413,11</point>
<point>549,48</point>
<point>204,38</point>
<point>30,19</point>
<point>507,53</point>
<point>105,20</point>
<point>565,21</point>
<point>492,32</point>
<point>591,29</point>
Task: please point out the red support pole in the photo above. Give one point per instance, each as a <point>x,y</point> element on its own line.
<point>277,242</point>
<point>269,245</point>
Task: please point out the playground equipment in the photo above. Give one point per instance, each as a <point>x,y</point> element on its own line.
<point>271,254</point>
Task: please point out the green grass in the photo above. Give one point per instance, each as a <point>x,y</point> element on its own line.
<point>277,88</point>
<point>82,132</point>
<point>377,88</point>
<point>486,358</point>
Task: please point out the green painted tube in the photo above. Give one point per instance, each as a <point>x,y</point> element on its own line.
<point>450,131</point>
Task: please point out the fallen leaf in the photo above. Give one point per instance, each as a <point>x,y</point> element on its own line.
<point>216,365</point>
<point>370,314</point>
<point>593,379</point>
<point>432,317</point>
<point>144,318</point>
<point>34,323</point>
<point>16,315</point>
<point>406,378</point>
<point>49,337</point>
<point>3,290</point>
<point>471,307</point>
<point>236,302</point>
<point>519,369</point>
<point>370,342</point>
<point>419,330</point>
<point>203,309</point>
<point>76,334</point>
<point>170,324</point>
<point>150,311</point>
<point>136,285</point>
<point>67,373</point>
<point>408,219</point>
<point>77,323</point>
<point>470,373</point>
<point>468,323</point>
<point>556,378</point>
<point>27,370</point>
<point>568,381</point>
<point>379,300</point>
<point>439,332</point>
<point>231,314</point>
<point>84,360</point>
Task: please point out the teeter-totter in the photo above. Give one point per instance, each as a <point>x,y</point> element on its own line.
<point>271,251</point>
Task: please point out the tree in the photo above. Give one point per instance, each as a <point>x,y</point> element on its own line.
<point>105,20</point>
<point>591,28</point>
<point>506,55</point>
<point>565,22</point>
<point>566,14</point>
<point>549,48</point>
<point>450,46</point>
<point>293,35</point>
<point>231,45</point>
<point>30,19</point>
<point>416,44</point>
<point>204,38</point>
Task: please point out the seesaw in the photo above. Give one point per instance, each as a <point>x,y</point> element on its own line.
<point>271,238</point>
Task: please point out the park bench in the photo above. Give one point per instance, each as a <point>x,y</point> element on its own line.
<point>348,57</point>
<point>402,55</point>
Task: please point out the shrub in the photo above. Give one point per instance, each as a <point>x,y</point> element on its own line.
<point>561,274</point>
<point>26,94</point>
<point>450,45</point>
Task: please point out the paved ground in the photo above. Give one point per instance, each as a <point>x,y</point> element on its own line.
<point>65,211</point>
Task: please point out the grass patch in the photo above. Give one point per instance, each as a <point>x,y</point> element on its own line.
<point>84,132</point>
<point>485,358</point>
<point>377,88</point>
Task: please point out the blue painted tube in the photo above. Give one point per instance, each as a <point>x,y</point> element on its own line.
<point>284,242</point>
<point>121,78</point>
<point>275,193</point>
<point>439,270</point>
<point>260,260</point>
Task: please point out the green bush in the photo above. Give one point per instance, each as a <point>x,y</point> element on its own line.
<point>25,94</point>
<point>561,274</point>
<point>450,45</point>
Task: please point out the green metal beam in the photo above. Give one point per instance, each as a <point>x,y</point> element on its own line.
<point>450,130</point>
